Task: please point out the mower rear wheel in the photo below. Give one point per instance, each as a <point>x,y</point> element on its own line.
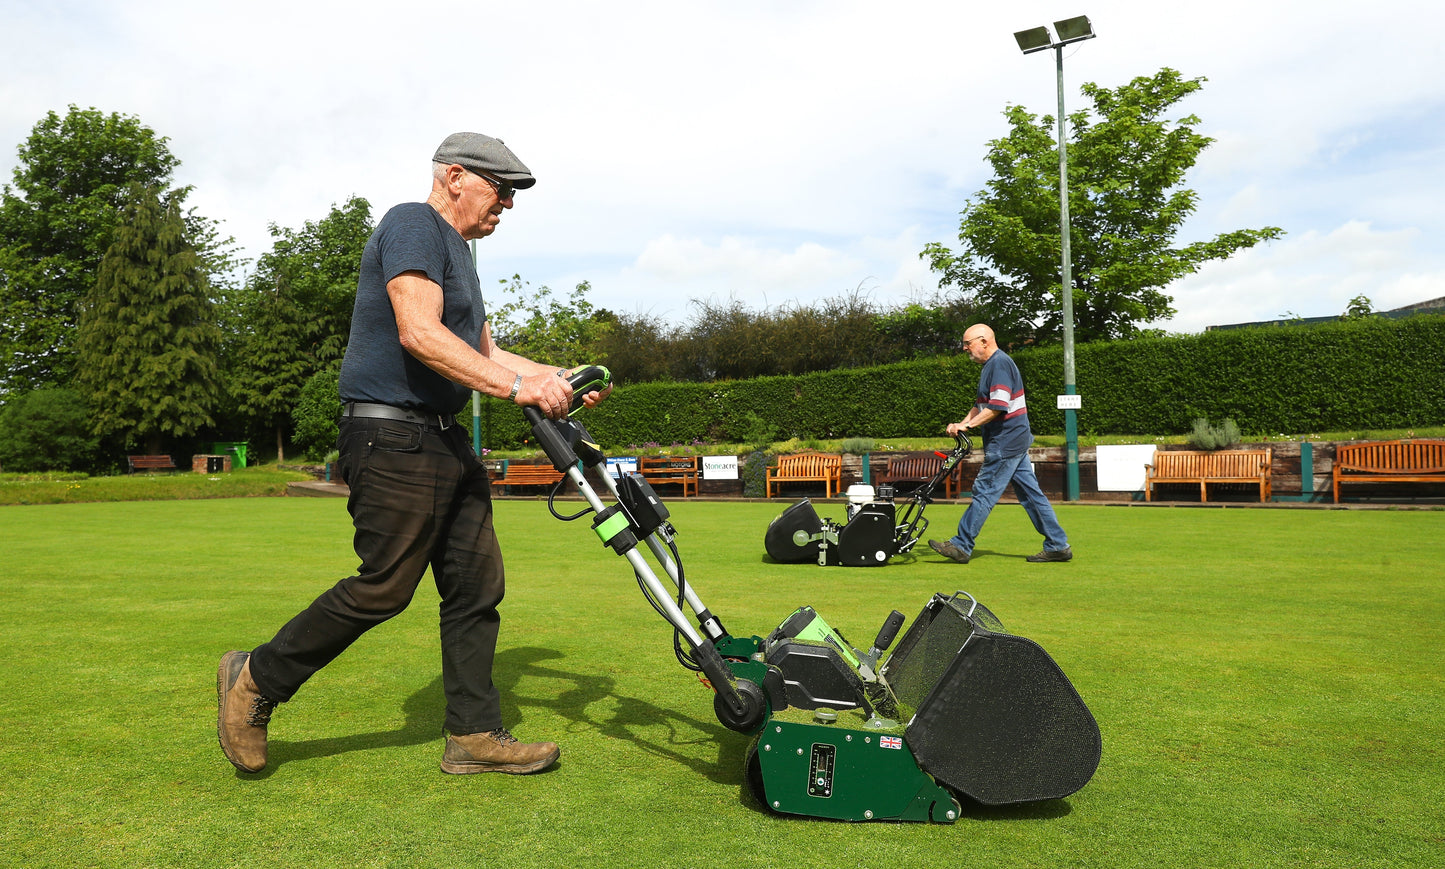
<point>755,708</point>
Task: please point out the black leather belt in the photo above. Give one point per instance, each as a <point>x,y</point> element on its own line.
<point>369,410</point>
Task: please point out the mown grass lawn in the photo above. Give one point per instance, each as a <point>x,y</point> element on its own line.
<point>1267,681</point>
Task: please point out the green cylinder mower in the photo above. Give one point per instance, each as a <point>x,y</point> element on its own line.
<point>961,709</point>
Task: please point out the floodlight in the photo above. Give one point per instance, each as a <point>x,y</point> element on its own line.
<point>1074,29</point>
<point>1034,39</point>
<point>1038,39</point>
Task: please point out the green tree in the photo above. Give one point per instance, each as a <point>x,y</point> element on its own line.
<point>272,364</point>
<point>56,222</point>
<point>1127,162</point>
<point>1359,308</point>
<point>636,348</point>
<point>47,430</point>
<point>317,408</point>
<point>316,267</point>
<point>148,336</point>
<point>293,318</point>
<point>533,324</point>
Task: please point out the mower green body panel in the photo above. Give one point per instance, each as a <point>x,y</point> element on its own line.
<point>961,707</point>
<point>847,772</point>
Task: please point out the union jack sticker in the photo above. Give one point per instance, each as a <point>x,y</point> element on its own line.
<point>890,742</point>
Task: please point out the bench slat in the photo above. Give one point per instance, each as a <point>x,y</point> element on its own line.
<point>920,469</point>
<point>660,470</point>
<point>1205,467</point>
<point>528,475</point>
<point>1401,461</point>
<point>826,468</point>
<point>150,463</point>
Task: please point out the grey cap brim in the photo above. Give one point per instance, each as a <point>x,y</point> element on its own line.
<point>486,155</point>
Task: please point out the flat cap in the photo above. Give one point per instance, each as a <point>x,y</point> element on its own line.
<point>484,154</point>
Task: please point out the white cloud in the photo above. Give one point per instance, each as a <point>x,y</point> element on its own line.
<point>783,150</point>
<point>1312,275</point>
<point>742,262</point>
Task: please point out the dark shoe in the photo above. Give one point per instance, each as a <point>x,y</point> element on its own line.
<point>949,551</point>
<point>496,751</point>
<point>1052,555</point>
<point>242,713</point>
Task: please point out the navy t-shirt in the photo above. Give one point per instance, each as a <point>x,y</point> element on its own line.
<point>411,237</point>
<point>1001,388</point>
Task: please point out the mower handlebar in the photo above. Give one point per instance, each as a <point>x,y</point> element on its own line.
<point>963,445</point>
<point>589,378</point>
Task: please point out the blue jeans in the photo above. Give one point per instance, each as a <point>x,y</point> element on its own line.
<point>988,487</point>
<point>419,499</point>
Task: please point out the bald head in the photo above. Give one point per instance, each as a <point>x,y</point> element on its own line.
<point>979,342</point>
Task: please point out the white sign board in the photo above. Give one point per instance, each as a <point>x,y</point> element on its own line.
<point>719,467</point>
<point>1121,467</point>
<point>616,467</point>
<point>1071,402</point>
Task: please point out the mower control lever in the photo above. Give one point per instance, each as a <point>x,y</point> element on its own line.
<point>887,633</point>
<point>868,664</point>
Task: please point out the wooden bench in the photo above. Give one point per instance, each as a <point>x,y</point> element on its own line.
<point>150,463</point>
<point>682,470</point>
<point>1403,461</point>
<point>1205,467</point>
<point>826,468</point>
<point>527,475</point>
<point>917,469</point>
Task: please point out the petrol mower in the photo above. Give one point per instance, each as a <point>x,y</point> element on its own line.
<point>873,532</point>
<point>960,710</point>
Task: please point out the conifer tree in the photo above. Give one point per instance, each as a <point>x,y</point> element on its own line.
<point>148,336</point>
<point>56,222</point>
<point>273,364</point>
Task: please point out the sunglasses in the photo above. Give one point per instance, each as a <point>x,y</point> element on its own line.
<point>504,189</point>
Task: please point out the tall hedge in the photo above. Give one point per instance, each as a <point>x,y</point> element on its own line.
<point>1370,373</point>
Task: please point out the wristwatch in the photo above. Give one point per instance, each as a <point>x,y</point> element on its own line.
<point>516,387</point>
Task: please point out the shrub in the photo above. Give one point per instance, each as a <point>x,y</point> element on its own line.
<point>1369,373</point>
<point>755,474</point>
<point>316,412</point>
<point>1207,436</point>
<point>47,430</point>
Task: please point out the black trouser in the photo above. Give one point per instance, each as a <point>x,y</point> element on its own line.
<point>419,497</point>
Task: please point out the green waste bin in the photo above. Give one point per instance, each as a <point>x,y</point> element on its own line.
<point>235,449</point>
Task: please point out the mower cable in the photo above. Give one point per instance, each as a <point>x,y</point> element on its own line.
<point>556,490</point>
<point>682,657</point>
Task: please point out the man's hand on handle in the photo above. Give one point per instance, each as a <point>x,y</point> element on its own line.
<point>551,393</point>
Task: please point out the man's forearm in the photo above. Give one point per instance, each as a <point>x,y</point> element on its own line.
<point>979,417</point>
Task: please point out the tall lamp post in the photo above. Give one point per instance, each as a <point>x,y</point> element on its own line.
<point>1070,30</point>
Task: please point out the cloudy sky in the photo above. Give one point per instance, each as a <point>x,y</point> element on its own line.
<point>770,151</point>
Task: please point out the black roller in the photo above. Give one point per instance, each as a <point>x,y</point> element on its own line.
<point>799,521</point>
<point>996,719</point>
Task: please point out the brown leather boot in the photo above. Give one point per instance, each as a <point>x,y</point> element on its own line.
<point>242,714</point>
<point>496,751</point>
